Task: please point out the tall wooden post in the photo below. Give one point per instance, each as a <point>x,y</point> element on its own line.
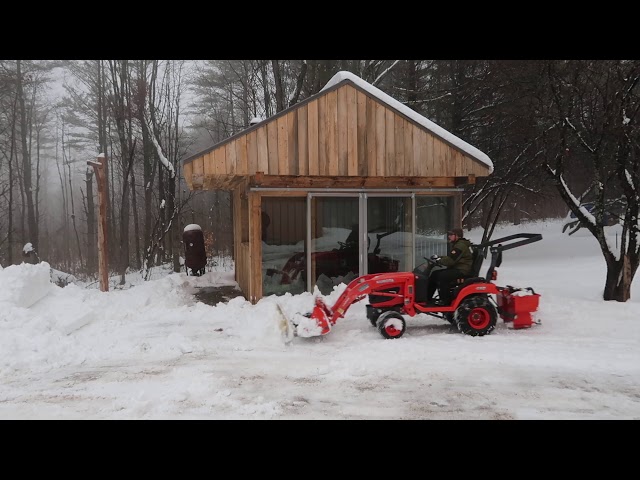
<point>99,168</point>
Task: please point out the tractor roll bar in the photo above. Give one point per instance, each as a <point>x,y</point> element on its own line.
<point>496,251</point>
<point>528,238</point>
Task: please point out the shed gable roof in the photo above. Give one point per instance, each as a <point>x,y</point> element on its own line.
<point>348,132</point>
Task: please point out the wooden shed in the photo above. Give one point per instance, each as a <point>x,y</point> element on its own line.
<point>346,182</point>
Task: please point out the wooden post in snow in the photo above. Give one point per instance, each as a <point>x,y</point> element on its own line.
<point>99,167</point>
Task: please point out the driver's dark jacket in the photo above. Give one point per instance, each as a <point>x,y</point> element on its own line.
<point>459,257</point>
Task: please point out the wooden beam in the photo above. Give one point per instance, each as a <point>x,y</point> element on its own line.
<point>100,167</point>
<point>293,181</point>
<point>255,247</point>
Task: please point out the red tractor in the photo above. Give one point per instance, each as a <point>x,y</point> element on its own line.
<point>394,295</point>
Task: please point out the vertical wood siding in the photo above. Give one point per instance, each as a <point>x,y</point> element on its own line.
<point>344,132</point>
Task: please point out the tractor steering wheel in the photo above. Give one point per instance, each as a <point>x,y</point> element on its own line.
<point>433,262</point>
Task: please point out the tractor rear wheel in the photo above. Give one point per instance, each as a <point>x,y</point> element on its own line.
<point>476,316</point>
<point>391,324</point>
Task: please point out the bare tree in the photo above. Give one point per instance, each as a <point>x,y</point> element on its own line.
<point>592,116</point>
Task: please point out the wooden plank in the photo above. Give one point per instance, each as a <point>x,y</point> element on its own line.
<point>342,130</point>
<point>332,134</point>
<point>255,247</point>
<point>198,166</point>
<point>262,151</point>
<point>371,138</point>
<point>451,159</point>
<point>252,152</point>
<point>409,161</point>
<point>418,152</point>
<point>352,132</point>
<point>292,135</point>
<point>322,136</point>
<point>429,166</point>
<point>241,155</point>
<point>441,166</point>
<point>283,145</point>
<point>380,140</point>
<point>361,132</point>
<point>236,208</point>
<point>390,142</point>
<point>219,162</point>
<point>399,144</point>
<point>312,129</point>
<point>272,148</point>
<point>208,164</point>
<point>402,182</point>
<point>230,153</point>
<point>303,141</point>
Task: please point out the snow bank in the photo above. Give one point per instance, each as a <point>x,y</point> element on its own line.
<point>25,284</point>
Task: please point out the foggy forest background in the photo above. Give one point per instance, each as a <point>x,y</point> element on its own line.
<point>555,130</point>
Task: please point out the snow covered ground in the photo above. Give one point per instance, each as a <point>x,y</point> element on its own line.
<point>152,351</point>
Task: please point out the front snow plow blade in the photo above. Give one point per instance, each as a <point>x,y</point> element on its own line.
<point>315,323</point>
<point>312,324</point>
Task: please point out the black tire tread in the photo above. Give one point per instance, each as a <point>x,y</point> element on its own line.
<point>461,315</point>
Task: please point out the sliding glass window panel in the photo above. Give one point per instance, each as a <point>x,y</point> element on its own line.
<point>284,229</point>
<point>335,254</point>
<point>389,229</point>
<point>434,216</point>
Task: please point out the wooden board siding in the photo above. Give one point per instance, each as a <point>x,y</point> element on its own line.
<point>312,129</point>
<point>272,148</point>
<point>242,158</point>
<point>409,167</point>
<point>390,160</point>
<point>380,137</point>
<point>332,133</point>
<point>371,169</point>
<point>283,144</point>
<point>255,252</point>
<point>343,132</point>
<point>343,129</point>
<point>323,163</point>
<point>361,124</point>
<point>262,153</point>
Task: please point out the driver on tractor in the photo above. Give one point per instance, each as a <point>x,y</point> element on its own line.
<point>458,264</point>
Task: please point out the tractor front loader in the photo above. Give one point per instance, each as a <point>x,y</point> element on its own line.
<point>392,296</point>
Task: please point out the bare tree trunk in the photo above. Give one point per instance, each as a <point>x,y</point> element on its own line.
<point>65,214</point>
<point>12,152</point>
<point>277,78</point>
<point>26,162</point>
<point>73,214</point>
<point>265,89</point>
<point>102,140</point>
<point>136,226</point>
<point>299,82</point>
<point>619,277</point>
<point>120,80</point>
<point>91,223</point>
<point>162,215</point>
<point>148,176</point>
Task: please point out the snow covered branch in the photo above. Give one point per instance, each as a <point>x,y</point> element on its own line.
<point>163,159</point>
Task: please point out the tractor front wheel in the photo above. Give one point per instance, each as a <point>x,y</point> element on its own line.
<point>476,316</point>
<point>391,324</point>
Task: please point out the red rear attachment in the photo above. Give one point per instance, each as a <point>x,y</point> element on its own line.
<point>518,305</point>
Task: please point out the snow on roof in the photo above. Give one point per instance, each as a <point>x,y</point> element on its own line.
<point>192,226</point>
<point>412,114</point>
